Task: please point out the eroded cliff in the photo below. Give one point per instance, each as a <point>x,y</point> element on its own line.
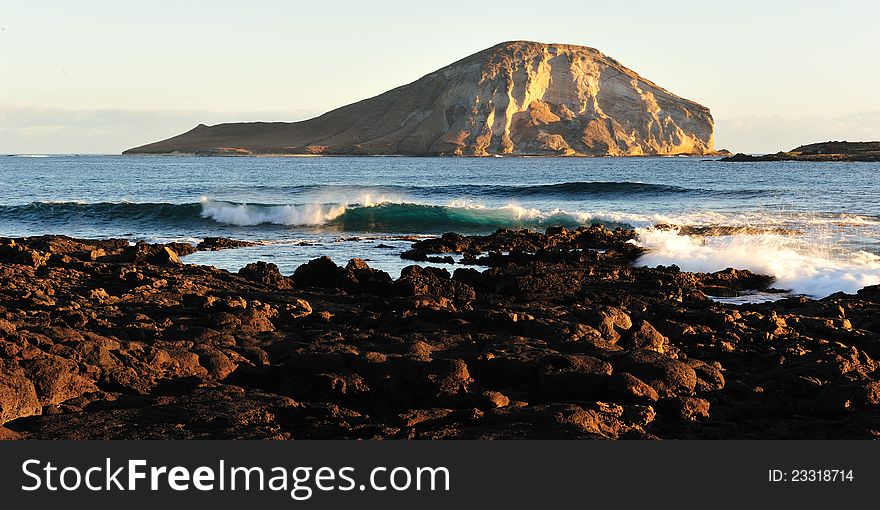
<point>519,98</point>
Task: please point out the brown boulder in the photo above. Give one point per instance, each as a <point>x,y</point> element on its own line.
<point>626,386</point>
<point>57,380</point>
<point>18,397</point>
<point>320,272</point>
<point>685,408</point>
<point>666,375</point>
<point>217,364</point>
<point>7,328</point>
<point>265,273</point>
<point>567,375</point>
<point>423,281</point>
<point>448,377</point>
<point>645,336</point>
<point>221,243</point>
<point>151,254</point>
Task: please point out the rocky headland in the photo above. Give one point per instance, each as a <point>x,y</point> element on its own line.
<point>553,335</point>
<point>824,151</point>
<point>515,98</point>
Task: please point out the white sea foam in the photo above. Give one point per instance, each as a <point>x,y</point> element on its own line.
<point>248,215</point>
<point>166,240</point>
<point>812,264</point>
<point>370,200</point>
<point>750,218</point>
<point>308,214</point>
<point>520,213</point>
<point>797,264</point>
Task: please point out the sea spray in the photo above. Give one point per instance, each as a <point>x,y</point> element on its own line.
<point>797,264</point>
<point>249,215</point>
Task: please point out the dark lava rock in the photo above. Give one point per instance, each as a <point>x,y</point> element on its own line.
<point>558,335</point>
<point>320,272</point>
<point>425,281</point>
<point>572,375</point>
<point>265,273</point>
<point>221,243</point>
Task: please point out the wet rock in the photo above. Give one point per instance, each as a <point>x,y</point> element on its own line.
<point>738,279</point>
<point>151,254</point>
<point>221,243</point>
<point>358,276</point>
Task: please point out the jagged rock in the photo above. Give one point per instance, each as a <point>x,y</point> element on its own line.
<point>627,386</point>
<point>667,376</point>
<point>217,364</point>
<point>57,380</point>
<point>300,308</point>
<point>221,243</point>
<point>572,375</point>
<point>422,281</point>
<point>266,273</point>
<point>320,272</point>
<point>360,277</point>
<point>645,336</point>
<point>7,328</point>
<point>823,151</point>
<point>152,254</point>
<point>189,351</point>
<point>686,408</point>
<point>17,394</point>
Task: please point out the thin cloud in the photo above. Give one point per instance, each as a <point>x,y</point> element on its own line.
<point>765,134</point>
<point>29,129</point>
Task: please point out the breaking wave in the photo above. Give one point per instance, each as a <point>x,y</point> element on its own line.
<point>367,215</point>
<point>390,216</point>
<point>798,264</point>
<point>386,213</point>
<point>801,261</point>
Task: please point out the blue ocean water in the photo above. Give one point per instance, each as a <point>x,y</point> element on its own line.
<point>368,206</point>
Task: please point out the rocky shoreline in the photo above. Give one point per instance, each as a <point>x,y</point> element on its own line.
<point>560,337</point>
<point>865,152</point>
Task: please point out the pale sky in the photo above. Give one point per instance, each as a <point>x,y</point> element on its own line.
<point>95,76</point>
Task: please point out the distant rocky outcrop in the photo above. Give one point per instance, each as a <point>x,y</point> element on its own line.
<point>824,151</point>
<point>516,98</point>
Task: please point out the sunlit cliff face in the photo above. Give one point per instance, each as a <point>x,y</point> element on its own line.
<point>515,98</point>
<point>525,97</point>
